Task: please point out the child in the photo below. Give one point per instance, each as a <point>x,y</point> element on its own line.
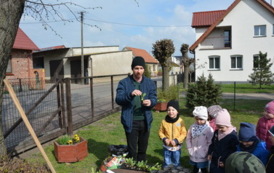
<point>270,164</point>
<point>249,142</point>
<point>265,123</point>
<point>172,132</point>
<point>224,142</point>
<point>212,112</point>
<point>198,139</point>
<point>243,162</point>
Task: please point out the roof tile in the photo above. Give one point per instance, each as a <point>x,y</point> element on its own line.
<point>22,41</point>
<point>143,53</point>
<point>206,18</point>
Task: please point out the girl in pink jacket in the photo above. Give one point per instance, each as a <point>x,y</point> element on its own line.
<point>198,139</point>
<point>265,123</point>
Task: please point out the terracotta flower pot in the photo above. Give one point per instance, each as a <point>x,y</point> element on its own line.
<point>71,153</point>
<point>160,106</point>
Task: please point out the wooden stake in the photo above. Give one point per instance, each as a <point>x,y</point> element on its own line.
<point>27,123</point>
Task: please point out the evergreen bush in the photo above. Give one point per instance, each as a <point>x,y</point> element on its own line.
<point>203,93</point>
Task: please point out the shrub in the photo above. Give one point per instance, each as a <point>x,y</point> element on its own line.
<point>147,72</point>
<point>168,94</point>
<point>203,93</point>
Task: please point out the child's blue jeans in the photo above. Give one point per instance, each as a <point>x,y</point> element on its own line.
<point>172,157</point>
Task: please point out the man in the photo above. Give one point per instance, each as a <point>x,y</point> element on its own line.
<point>137,96</point>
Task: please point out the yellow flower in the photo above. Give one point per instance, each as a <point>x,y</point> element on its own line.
<point>70,142</point>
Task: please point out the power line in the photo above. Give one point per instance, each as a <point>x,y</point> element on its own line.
<point>110,22</point>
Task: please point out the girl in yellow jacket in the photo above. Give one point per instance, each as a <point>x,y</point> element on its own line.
<point>172,132</point>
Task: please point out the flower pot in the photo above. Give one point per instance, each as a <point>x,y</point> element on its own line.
<point>160,106</point>
<point>71,153</point>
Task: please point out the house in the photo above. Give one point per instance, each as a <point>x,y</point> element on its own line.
<point>151,62</point>
<point>63,62</point>
<point>20,63</point>
<point>177,67</point>
<point>229,40</point>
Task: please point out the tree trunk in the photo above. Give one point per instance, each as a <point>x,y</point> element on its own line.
<point>165,78</point>
<point>186,76</point>
<point>10,15</point>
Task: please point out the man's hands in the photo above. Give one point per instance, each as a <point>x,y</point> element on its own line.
<point>145,102</point>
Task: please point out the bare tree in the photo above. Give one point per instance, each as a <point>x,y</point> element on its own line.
<point>11,12</point>
<point>162,51</point>
<point>186,62</point>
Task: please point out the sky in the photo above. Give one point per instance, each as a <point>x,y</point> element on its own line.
<point>123,23</point>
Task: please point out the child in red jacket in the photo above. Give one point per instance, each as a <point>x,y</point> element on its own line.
<point>265,123</point>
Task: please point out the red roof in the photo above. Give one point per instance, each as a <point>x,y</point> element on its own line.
<point>265,4</point>
<point>22,41</point>
<point>206,18</point>
<point>141,52</point>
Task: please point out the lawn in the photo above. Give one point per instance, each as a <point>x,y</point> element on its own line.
<point>109,131</point>
<point>246,88</point>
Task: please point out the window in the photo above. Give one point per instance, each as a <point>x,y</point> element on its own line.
<point>227,38</point>
<point>214,62</point>
<point>38,62</point>
<point>255,61</point>
<point>237,62</point>
<point>260,30</point>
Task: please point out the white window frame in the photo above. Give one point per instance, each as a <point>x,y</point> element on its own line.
<point>214,59</point>
<point>237,59</point>
<point>259,30</point>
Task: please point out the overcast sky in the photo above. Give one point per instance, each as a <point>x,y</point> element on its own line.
<point>131,23</point>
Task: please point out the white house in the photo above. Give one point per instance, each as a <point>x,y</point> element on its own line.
<point>229,40</point>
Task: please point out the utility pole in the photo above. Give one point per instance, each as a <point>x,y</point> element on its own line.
<point>82,49</point>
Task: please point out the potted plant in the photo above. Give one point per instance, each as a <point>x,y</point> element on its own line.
<point>164,96</point>
<point>70,149</point>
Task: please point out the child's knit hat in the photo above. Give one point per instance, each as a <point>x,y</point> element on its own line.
<point>223,118</point>
<point>174,104</point>
<point>213,110</point>
<point>247,132</point>
<point>270,107</point>
<point>243,162</point>
<point>200,112</point>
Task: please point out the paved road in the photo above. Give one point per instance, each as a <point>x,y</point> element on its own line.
<point>256,96</point>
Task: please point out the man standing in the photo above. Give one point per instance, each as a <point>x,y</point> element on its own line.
<point>137,96</point>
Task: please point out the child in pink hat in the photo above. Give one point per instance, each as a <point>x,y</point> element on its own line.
<point>223,143</point>
<point>265,123</point>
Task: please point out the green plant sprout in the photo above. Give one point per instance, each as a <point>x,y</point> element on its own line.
<point>143,96</point>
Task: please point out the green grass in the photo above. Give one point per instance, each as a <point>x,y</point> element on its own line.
<point>247,88</point>
<point>109,131</point>
<point>240,88</point>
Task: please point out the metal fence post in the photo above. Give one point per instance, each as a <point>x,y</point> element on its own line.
<point>234,96</point>
<point>112,92</point>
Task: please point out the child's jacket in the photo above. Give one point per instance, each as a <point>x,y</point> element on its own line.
<point>263,125</point>
<point>259,151</point>
<point>270,164</point>
<point>221,149</point>
<point>198,145</point>
<point>173,131</point>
